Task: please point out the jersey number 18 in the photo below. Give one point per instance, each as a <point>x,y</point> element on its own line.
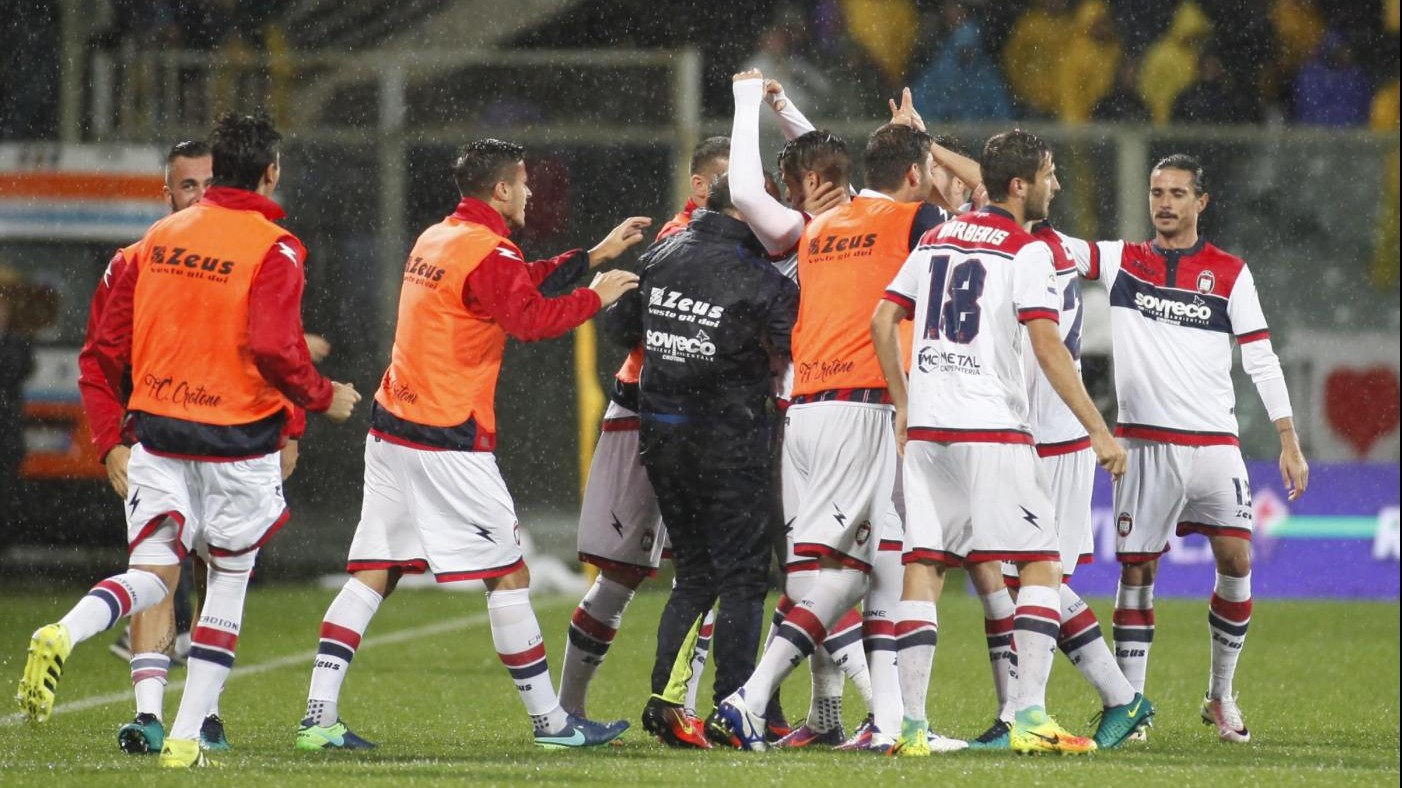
<point>954,296</point>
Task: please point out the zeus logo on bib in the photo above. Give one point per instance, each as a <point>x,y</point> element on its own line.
<point>668,300</point>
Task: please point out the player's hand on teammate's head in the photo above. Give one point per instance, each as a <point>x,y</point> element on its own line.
<point>1294,471</point>
<point>116,463</point>
<point>905,113</point>
<point>619,239</point>
<point>824,197</point>
<point>611,285</point>
<point>980,197</point>
<point>343,399</point>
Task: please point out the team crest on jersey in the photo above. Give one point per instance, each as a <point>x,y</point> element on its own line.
<point>863,533</point>
<point>1124,524</point>
<point>649,538</point>
<point>1207,281</point>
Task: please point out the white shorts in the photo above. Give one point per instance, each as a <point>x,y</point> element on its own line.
<point>216,508</point>
<point>839,471</point>
<point>1197,489</point>
<point>1071,476</point>
<point>976,502</point>
<point>620,526</point>
<point>447,512</point>
<point>892,532</point>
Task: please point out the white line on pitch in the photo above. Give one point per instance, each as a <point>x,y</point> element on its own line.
<point>304,658</point>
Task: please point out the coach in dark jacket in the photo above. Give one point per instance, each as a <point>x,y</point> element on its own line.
<point>714,317</point>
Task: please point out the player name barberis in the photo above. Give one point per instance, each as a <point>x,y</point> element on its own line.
<point>971,233</point>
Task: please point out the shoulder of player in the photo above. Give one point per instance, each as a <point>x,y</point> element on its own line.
<point>1213,271</point>
<point>979,231</point>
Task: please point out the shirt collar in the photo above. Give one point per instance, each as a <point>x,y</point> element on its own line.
<point>995,211</point>
<point>243,200</point>
<point>876,195</point>
<point>476,211</point>
<point>1188,252</point>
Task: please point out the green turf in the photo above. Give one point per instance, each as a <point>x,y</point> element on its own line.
<point>1318,682</point>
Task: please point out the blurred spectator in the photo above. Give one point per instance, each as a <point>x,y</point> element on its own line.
<point>1245,44</point>
<point>1392,16</point>
<point>779,58</point>
<point>1141,22</point>
<point>1299,27</point>
<point>1332,89</point>
<point>16,363</point>
<point>1123,104</point>
<point>1033,55</point>
<point>1088,74</point>
<point>1171,64</point>
<point>885,30</point>
<point>1215,98</point>
<point>962,82</point>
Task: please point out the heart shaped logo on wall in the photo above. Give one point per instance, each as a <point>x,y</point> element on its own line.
<point>1362,405</point>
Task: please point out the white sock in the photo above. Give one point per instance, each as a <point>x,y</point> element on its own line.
<point>879,640</point>
<point>998,631</point>
<point>917,634</point>
<point>1082,643</point>
<point>1036,623</point>
<point>516,635</point>
<point>149,671</point>
<point>1133,628</point>
<point>592,628</point>
<point>341,630</point>
<point>110,601</point>
<point>833,593</point>
<point>843,647</point>
<point>699,654</point>
<point>1227,620</point>
<point>825,707</point>
<point>215,640</point>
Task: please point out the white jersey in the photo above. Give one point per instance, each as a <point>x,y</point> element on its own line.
<point>968,286</point>
<point>1055,428</point>
<point>1173,314</point>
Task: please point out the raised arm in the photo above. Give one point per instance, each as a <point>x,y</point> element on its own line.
<point>792,122</point>
<point>776,226</point>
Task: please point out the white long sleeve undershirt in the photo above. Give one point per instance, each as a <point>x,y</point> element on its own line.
<point>777,226</point>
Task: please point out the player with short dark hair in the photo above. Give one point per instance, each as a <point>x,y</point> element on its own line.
<point>621,532</point>
<point>715,313</point>
<point>1176,305</point>
<point>434,498</point>
<point>155,634</point>
<point>209,416</point>
<point>974,491</point>
<point>839,459</point>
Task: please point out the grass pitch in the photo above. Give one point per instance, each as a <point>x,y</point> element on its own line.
<point>1318,680</point>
